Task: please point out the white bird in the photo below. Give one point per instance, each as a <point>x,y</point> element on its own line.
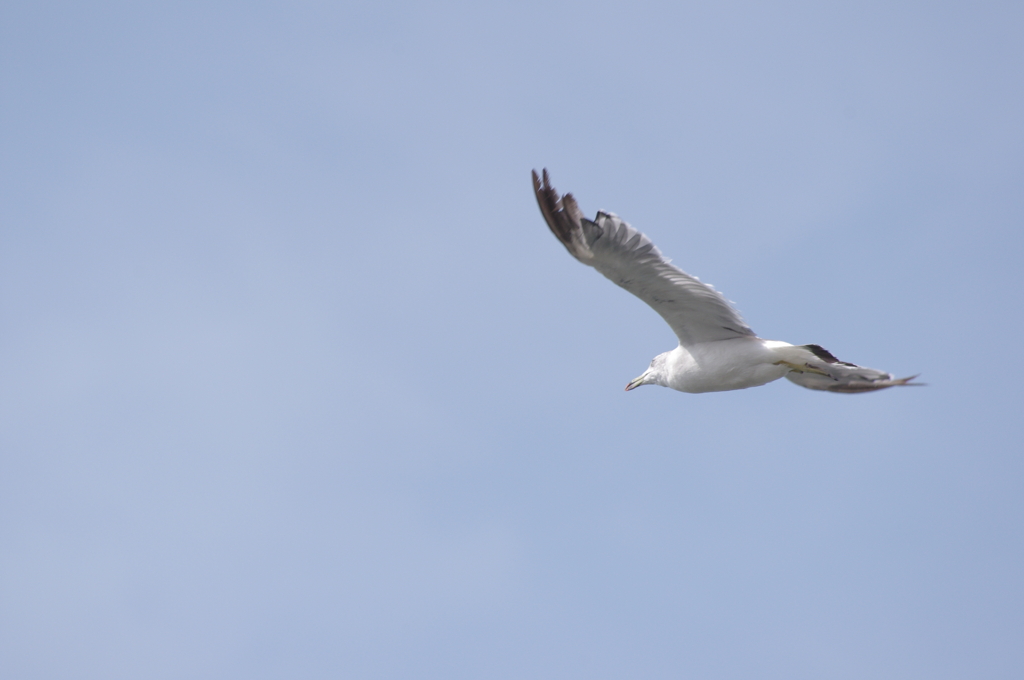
<point>717,350</point>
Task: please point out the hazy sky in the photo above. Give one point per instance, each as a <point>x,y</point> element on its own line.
<point>295,382</point>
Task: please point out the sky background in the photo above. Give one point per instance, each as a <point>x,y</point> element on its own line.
<point>295,382</point>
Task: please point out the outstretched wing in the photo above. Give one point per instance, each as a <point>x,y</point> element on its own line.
<point>695,311</point>
<point>826,372</point>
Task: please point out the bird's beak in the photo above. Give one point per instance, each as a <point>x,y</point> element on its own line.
<point>636,382</point>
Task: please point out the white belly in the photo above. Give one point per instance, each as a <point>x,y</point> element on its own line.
<point>723,365</point>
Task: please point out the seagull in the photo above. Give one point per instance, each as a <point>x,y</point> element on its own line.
<point>717,350</point>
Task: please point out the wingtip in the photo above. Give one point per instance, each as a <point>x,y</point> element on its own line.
<point>561,213</point>
<point>542,184</point>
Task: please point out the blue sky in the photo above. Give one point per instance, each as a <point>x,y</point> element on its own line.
<point>296,383</point>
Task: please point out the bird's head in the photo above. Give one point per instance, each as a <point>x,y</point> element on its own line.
<point>654,375</point>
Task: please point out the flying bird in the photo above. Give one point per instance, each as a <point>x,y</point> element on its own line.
<point>717,350</point>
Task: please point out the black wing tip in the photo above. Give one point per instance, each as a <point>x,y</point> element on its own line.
<point>825,355</point>
<point>547,197</point>
<point>560,212</point>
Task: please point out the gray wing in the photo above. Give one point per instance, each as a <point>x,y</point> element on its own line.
<point>826,372</point>
<point>850,380</point>
<point>695,311</point>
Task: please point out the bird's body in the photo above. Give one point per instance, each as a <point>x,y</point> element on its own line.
<point>717,350</point>
<point>719,365</point>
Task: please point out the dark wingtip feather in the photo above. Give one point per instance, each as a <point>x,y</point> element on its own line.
<point>561,213</point>
<point>826,356</point>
